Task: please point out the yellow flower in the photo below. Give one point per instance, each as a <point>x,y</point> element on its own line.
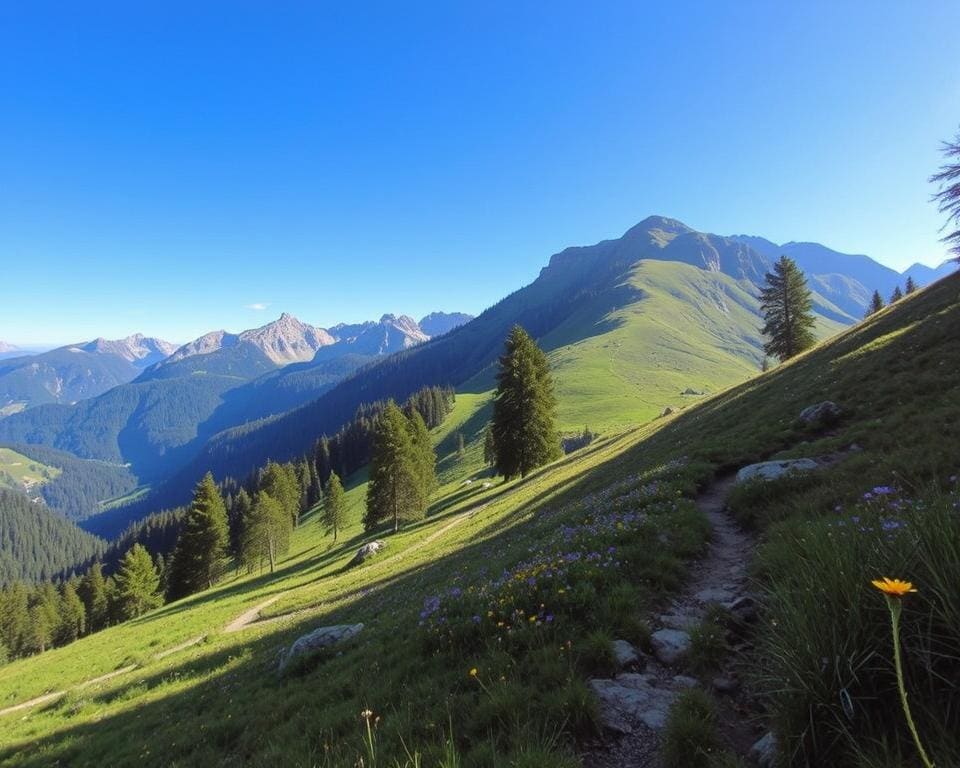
<point>893,587</point>
<point>473,672</point>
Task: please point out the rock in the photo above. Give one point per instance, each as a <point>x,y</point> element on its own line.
<point>824,413</point>
<point>714,595</point>
<point>684,681</point>
<point>691,391</point>
<point>486,485</point>
<point>678,621</point>
<point>626,655</point>
<point>669,411</point>
<point>322,637</point>
<point>765,751</point>
<point>670,645</point>
<point>631,698</point>
<point>725,684</point>
<point>367,551</point>
<point>774,470</point>
<point>744,609</point>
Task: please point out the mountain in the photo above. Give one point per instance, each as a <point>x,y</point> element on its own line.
<point>8,350</point>
<point>924,275</point>
<point>391,334</point>
<point>75,372</point>
<point>439,323</point>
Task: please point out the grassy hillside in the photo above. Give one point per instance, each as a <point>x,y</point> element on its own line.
<point>21,473</point>
<point>897,377</point>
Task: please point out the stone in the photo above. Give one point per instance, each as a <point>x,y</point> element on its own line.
<point>367,551</point>
<point>774,470</point>
<point>743,608</point>
<point>824,413</point>
<point>486,485</point>
<point>629,699</point>
<point>714,595</point>
<point>670,645</point>
<point>322,637</point>
<point>626,655</point>
<point>678,621</point>
<point>685,681</point>
<point>725,684</point>
<point>764,751</point>
<point>669,411</point>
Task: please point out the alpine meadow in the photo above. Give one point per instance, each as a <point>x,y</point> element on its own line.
<point>672,499</point>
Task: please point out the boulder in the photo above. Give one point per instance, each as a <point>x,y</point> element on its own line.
<point>764,751</point>
<point>725,684</point>
<point>322,637</point>
<point>774,470</point>
<point>822,413</point>
<point>626,655</point>
<point>631,698</point>
<point>367,551</point>
<point>670,645</point>
<point>669,411</point>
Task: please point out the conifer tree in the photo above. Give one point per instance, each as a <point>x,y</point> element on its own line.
<point>524,432</point>
<point>93,592</point>
<point>489,446</point>
<point>266,535</point>
<point>896,295</point>
<point>334,516</point>
<point>138,583</point>
<point>424,458</point>
<point>948,193</point>
<point>73,615</point>
<point>461,450</point>
<point>15,618</point>
<point>395,490</point>
<point>787,306</point>
<point>44,619</point>
<point>280,483</point>
<point>199,557</point>
<point>876,304</point>
<point>910,286</point>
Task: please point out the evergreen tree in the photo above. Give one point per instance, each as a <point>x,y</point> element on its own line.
<point>524,431</point>
<point>787,307</point>
<point>15,618</point>
<point>948,192</point>
<point>765,364</point>
<point>424,458</point>
<point>911,286</point>
<point>198,559</point>
<point>73,615</point>
<point>242,505</point>
<point>44,619</point>
<point>138,583</point>
<point>896,295</point>
<point>267,532</point>
<point>461,450</point>
<point>334,516</point>
<point>876,304</point>
<point>93,592</point>
<point>489,446</point>
<point>280,483</point>
<point>395,488</point>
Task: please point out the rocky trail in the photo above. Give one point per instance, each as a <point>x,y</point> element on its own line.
<point>635,703</point>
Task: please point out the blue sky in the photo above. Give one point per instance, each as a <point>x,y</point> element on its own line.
<point>164,166</point>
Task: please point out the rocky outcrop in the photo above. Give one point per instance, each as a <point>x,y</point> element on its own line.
<point>631,699</point>
<point>822,414</point>
<point>774,470</point>
<point>367,551</point>
<point>670,645</point>
<point>626,655</point>
<point>322,637</point>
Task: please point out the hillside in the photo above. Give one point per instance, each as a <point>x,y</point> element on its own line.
<point>896,378</point>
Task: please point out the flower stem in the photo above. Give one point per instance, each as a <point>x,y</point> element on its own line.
<point>895,610</point>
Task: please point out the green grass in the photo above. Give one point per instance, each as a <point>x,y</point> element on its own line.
<point>221,702</point>
<point>21,473</point>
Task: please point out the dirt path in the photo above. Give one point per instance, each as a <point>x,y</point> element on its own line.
<point>251,617</point>
<point>54,695</point>
<point>718,577</point>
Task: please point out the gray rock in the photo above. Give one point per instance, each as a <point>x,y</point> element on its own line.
<point>774,470</point>
<point>367,551</point>
<point>764,752</point>
<point>822,413</point>
<point>684,681</point>
<point>670,645</point>
<point>743,608</point>
<point>669,411</point>
<point>626,655</point>
<point>629,699</point>
<point>725,684</point>
<point>678,621</point>
<point>714,595</point>
<point>322,637</point>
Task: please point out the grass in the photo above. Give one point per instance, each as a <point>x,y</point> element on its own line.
<point>20,472</point>
<point>691,738</point>
<point>221,702</point>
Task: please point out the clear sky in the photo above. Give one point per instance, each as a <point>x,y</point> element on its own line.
<point>169,167</point>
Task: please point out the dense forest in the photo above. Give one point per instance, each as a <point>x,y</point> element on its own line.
<point>38,544</point>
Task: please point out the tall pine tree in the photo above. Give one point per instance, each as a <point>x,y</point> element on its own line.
<point>896,295</point>
<point>876,304</point>
<point>334,515</point>
<point>911,286</point>
<point>787,308</point>
<point>524,431</point>
<point>199,557</point>
<point>138,583</point>
<point>395,489</point>
<point>93,592</point>
<point>266,534</point>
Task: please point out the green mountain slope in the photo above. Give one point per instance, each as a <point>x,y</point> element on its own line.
<point>897,378</point>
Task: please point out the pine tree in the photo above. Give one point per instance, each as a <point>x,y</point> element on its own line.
<point>267,531</point>
<point>92,591</point>
<point>425,460</point>
<point>334,516</point>
<point>948,192</point>
<point>138,583</point>
<point>44,619</point>
<point>394,490</point>
<point>876,304</point>
<point>524,432</point>
<point>765,364</point>
<point>280,483</point>
<point>896,295</point>
<point>15,618</point>
<point>489,447</point>
<point>461,449</point>
<point>199,557</point>
<point>73,615</point>
<point>910,286</point>
<point>787,306</point>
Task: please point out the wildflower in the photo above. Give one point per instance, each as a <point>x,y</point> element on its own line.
<point>473,672</point>
<point>893,587</point>
<point>366,714</point>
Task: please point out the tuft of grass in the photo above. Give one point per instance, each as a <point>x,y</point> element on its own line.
<point>708,644</point>
<point>691,738</point>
